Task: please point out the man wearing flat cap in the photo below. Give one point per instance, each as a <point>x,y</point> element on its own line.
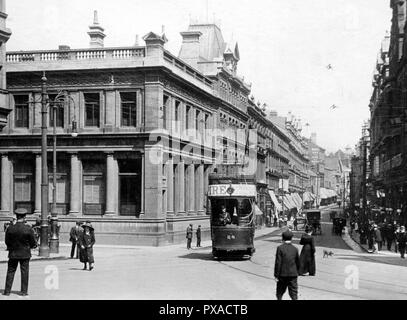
<point>286,267</point>
<point>19,241</point>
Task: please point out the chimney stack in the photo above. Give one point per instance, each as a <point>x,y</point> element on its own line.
<point>314,138</point>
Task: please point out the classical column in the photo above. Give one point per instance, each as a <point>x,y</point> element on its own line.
<point>75,185</point>
<point>143,166</point>
<point>153,195</point>
<point>37,190</point>
<point>201,189</point>
<point>191,187</point>
<point>180,188</point>
<point>111,182</point>
<point>170,187</point>
<point>5,184</point>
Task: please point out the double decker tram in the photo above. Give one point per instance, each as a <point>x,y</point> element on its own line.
<point>232,211</point>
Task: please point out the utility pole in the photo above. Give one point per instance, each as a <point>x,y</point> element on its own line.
<point>282,187</point>
<point>364,172</point>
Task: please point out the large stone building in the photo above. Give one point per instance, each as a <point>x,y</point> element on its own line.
<point>388,128</point>
<point>151,127</point>
<point>5,34</point>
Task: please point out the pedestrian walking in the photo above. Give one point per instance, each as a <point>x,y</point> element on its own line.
<point>389,236</point>
<point>352,227</point>
<point>86,242</point>
<point>295,224</point>
<point>307,256</point>
<point>19,240</point>
<point>74,238</point>
<point>275,221</point>
<point>189,236</point>
<point>198,236</point>
<point>382,228</point>
<point>286,267</point>
<point>402,240</point>
<point>396,238</point>
<point>377,238</point>
<point>370,238</point>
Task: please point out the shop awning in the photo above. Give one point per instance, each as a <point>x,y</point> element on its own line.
<point>323,193</point>
<point>297,199</point>
<point>275,201</point>
<point>288,202</point>
<point>257,211</point>
<point>308,196</point>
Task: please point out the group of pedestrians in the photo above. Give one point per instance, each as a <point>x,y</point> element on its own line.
<point>82,236</point>
<point>289,264</point>
<point>20,239</point>
<point>382,234</point>
<point>189,236</point>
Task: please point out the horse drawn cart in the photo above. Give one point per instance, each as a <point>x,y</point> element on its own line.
<point>314,221</point>
<point>338,225</point>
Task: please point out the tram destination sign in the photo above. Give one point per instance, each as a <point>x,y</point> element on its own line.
<point>232,190</point>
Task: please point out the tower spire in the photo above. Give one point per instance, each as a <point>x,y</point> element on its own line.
<point>96,33</point>
<point>95,17</point>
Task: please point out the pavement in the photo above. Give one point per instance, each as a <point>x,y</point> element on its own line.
<point>384,252</point>
<point>175,273</point>
<point>109,250</point>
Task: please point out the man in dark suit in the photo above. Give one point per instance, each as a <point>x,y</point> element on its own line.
<point>74,238</point>
<point>286,267</point>
<point>189,236</point>
<point>198,236</point>
<point>19,241</point>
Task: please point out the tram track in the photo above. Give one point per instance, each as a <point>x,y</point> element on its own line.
<point>334,277</point>
<point>302,286</point>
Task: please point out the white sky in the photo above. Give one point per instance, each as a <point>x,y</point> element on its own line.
<point>285,47</point>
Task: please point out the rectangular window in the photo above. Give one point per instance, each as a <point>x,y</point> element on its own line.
<point>22,188</point>
<point>129,108</point>
<point>59,107</point>
<point>93,189</point>
<point>225,150</point>
<point>92,109</point>
<point>21,111</point>
<point>61,191</point>
<point>166,99</point>
<point>197,126</point>
<point>187,117</point>
<point>177,103</point>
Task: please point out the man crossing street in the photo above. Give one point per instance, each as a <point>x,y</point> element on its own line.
<point>74,238</point>
<point>286,267</point>
<point>19,241</point>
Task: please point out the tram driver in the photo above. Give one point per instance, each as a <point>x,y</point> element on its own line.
<point>224,217</point>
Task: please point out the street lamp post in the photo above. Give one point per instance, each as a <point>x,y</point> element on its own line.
<point>54,241</point>
<point>44,248</point>
<point>58,101</point>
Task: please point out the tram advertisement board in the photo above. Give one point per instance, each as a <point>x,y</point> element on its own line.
<point>232,190</point>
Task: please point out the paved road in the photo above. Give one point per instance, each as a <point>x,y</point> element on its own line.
<point>177,274</point>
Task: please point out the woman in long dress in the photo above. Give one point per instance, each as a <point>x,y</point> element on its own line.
<point>307,256</point>
<point>86,242</point>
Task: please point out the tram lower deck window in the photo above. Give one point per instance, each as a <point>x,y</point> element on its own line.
<point>231,211</point>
